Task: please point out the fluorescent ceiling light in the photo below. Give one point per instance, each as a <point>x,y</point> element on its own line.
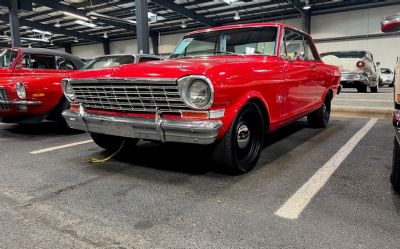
<point>237,16</point>
<point>307,5</point>
<point>75,16</point>
<point>230,1</point>
<point>87,24</point>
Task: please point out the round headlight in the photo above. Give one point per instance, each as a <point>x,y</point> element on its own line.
<point>21,92</point>
<point>68,90</point>
<point>197,92</point>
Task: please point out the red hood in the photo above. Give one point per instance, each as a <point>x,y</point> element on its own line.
<point>172,68</point>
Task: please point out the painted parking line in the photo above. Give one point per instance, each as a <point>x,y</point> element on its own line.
<point>60,147</point>
<point>293,207</point>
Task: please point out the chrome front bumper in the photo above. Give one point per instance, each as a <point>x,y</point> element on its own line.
<point>158,129</point>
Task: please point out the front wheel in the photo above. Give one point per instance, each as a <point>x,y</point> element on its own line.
<point>395,175</point>
<point>239,149</point>
<point>111,143</point>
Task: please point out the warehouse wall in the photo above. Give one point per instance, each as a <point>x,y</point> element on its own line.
<point>362,22</point>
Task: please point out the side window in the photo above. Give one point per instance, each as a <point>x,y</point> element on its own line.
<point>144,59</point>
<point>294,44</point>
<point>65,64</point>
<point>310,54</point>
<point>24,61</point>
<point>38,61</point>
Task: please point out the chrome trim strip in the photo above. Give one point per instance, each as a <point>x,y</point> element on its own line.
<point>124,80</point>
<point>20,102</point>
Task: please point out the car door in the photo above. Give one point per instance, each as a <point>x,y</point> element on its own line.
<point>35,64</point>
<point>316,85</point>
<point>298,74</point>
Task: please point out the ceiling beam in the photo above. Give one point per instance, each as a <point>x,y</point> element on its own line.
<point>57,6</point>
<point>186,12</point>
<point>44,27</point>
<point>299,7</point>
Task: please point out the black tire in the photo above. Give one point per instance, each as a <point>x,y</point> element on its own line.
<point>374,89</point>
<point>320,118</point>
<point>112,143</point>
<point>362,88</point>
<point>391,85</point>
<point>395,175</point>
<point>241,156</point>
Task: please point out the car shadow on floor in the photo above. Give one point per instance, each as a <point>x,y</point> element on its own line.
<point>47,129</point>
<point>196,159</point>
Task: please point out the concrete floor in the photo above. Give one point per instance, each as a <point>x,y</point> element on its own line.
<point>351,98</point>
<point>171,196</point>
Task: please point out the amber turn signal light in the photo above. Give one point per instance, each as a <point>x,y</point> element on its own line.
<point>194,114</point>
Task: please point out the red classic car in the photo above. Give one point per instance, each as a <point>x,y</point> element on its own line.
<point>30,84</point>
<point>224,87</point>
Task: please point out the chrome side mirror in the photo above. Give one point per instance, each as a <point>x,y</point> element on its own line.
<point>391,23</point>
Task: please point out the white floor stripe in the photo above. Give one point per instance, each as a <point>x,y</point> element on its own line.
<point>60,147</point>
<point>293,207</point>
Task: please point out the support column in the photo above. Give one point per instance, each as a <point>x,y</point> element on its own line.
<point>155,42</point>
<point>142,27</point>
<point>106,46</point>
<point>14,24</point>
<point>307,22</point>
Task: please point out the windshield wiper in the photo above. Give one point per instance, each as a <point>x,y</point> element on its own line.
<point>227,52</point>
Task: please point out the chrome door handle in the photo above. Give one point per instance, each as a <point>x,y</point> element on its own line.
<point>313,65</point>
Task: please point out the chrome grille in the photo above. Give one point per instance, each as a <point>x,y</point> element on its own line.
<point>129,95</point>
<point>3,97</point>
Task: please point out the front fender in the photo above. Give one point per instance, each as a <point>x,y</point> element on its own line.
<point>233,108</point>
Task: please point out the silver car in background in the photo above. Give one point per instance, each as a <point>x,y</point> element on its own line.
<point>386,78</point>
<point>358,69</point>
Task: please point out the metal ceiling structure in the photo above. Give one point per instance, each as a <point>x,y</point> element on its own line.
<point>168,17</point>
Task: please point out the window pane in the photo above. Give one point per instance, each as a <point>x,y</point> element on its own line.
<point>294,43</point>
<point>65,64</point>
<point>309,52</point>
<point>38,61</point>
<point>247,41</point>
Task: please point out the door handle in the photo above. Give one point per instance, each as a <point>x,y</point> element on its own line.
<point>313,65</point>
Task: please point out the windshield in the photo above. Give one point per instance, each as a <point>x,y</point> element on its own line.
<point>386,71</point>
<point>109,61</point>
<point>349,54</point>
<point>243,41</point>
<point>7,57</point>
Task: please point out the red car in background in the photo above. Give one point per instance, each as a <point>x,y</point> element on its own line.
<point>30,84</point>
<point>224,87</point>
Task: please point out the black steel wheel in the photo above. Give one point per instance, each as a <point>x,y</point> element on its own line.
<point>238,151</point>
<point>395,175</point>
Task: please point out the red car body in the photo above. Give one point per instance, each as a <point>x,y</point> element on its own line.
<point>42,86</point>
<point>284,91</point>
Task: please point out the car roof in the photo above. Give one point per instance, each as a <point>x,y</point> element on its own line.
<point>75,59</point>
<point>247,25</point>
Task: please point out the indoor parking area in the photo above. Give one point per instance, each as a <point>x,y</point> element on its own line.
<point>128,124</point>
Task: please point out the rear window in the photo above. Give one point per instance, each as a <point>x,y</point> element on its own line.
<point>386,71</point>
<point>348,54</point>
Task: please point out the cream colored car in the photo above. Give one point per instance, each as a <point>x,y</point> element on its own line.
<point>358,68</point>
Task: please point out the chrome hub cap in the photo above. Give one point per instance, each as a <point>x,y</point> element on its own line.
<point>243,136</point>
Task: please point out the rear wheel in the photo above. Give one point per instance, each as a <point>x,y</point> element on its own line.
<point>239,149</point>
<point>395,175</point>
<point>362,88</point>
<point>320,118</point>
<point>112,143</point>
<point>374,89</point>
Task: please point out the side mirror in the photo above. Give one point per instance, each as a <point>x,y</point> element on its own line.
<point>299,55</point>
<point>391,23</point>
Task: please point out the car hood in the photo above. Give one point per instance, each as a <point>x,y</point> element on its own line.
<point>171,68</point>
